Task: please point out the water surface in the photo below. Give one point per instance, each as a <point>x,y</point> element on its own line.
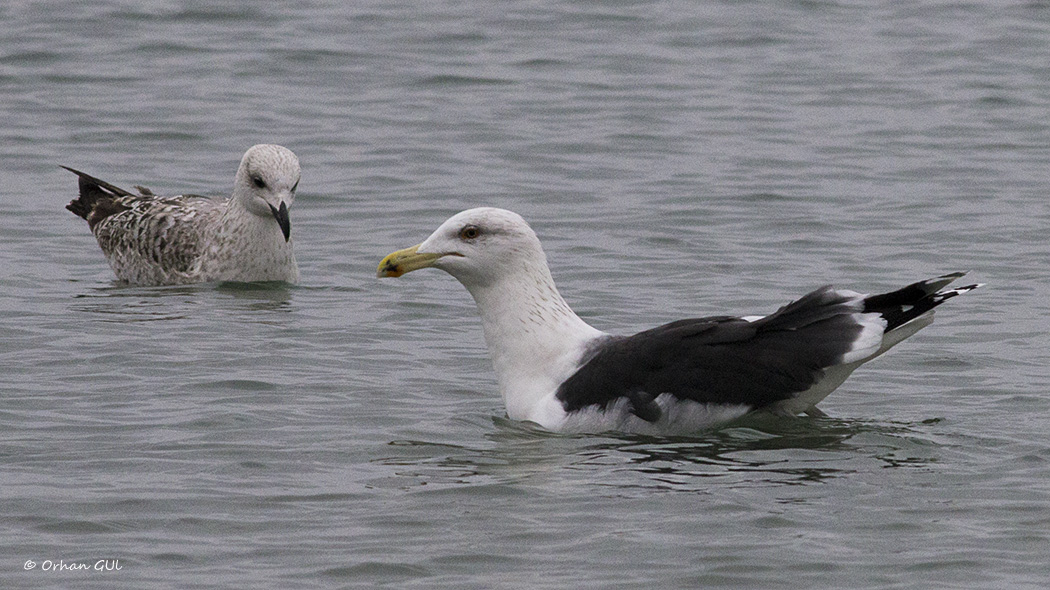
<point>676,160</point>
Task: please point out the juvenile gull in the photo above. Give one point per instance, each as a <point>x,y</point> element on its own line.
<point>154,240</point>
<point>557,371</point>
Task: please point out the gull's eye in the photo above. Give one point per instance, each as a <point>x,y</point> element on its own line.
<point>295,187</point>
<point>469,232</point>
<point>258,182</point>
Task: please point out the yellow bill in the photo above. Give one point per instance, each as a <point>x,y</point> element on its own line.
<point>398,263</point>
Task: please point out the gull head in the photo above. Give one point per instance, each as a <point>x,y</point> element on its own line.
<point>478,247</point>
<point>534,338</point>
<point>266,183</point>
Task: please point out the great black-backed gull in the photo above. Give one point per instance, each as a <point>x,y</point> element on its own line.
<point>155,240</point>
<point>557,371</point>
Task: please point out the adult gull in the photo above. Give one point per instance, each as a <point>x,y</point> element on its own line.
<point>154,240</point>
<point>559,372</point>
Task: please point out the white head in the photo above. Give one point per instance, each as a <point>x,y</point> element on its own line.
<point>266,183</point>
<point>478,246</point>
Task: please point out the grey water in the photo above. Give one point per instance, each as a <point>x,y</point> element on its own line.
<point>676,158</point>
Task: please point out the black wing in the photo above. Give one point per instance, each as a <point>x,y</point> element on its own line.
<point>720,359</point>
<point>732,361</point>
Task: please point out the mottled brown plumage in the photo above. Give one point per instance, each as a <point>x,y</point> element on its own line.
<point>154,240</point>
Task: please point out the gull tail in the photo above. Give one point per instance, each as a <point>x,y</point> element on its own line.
<point>904,305</point>
<point>98,199</point>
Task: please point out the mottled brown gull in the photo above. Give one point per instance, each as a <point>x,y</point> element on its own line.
<point>557,371</point>
<point>155,240</point>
